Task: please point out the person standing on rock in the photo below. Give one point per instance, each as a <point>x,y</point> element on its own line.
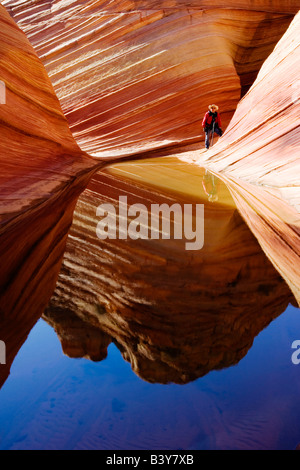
<point>211,123</point>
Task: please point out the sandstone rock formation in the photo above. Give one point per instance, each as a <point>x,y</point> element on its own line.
<point>133,76</point>
<point>138,75</point>
<point>174,314</point>
<point>42,173</point>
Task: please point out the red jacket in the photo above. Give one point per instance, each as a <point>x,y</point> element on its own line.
<point>208,118</point>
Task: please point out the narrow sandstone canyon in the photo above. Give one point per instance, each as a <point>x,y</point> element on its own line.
<point>130,79</point>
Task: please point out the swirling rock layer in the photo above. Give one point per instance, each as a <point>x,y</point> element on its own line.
<point>42,173</point>
<point>133,75</point>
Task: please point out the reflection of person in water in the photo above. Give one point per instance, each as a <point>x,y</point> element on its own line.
<point>209,186</point>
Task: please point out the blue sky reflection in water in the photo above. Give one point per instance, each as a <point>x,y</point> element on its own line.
<point>53,402</point>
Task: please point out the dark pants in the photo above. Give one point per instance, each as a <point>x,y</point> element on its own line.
<point>208,134</point>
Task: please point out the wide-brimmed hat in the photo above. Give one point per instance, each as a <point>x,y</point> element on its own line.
<point>213,105</point>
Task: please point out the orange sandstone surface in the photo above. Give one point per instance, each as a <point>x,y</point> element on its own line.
<point>42,173</point>
<point>132,76</point>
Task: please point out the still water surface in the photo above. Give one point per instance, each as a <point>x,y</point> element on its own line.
<point>53,402</point>
<point>178,316</point>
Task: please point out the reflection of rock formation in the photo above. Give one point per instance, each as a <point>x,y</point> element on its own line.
<point>135,75</point>
<point>78,338</point>
<point>174,314</point>
<point>42,174</point>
